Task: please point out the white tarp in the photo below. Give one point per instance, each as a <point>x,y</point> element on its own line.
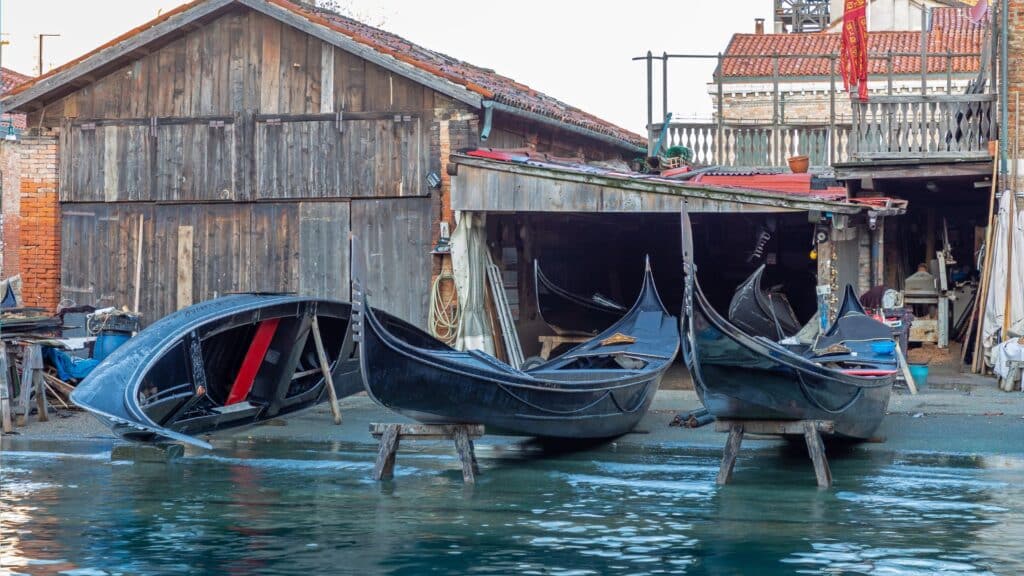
<point>469,257</point>
<point>1002,271</point>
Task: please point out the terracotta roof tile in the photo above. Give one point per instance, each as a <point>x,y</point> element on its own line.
<point>951,31</point>
<point>483,81</point>
<point>486,83</point>
<point>9,79</point>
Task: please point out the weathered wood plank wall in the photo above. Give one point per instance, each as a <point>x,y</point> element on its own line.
<point>242,145</point>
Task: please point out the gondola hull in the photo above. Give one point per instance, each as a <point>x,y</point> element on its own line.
<point>747,377</point>
<point>597,390</point>
<point>222,364</point>
<point>572,314</point>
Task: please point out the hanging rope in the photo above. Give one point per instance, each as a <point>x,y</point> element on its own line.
<point>444,316</point>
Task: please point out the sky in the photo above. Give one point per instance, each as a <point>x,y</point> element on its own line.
<point>575,50</point>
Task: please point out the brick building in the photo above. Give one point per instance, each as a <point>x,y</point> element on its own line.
<point>749,73</point>
<point>234,144</point>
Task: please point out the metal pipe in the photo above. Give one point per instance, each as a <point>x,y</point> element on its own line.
<point>664,85</point>
<point>1004,80</point>
<point>650,99</point>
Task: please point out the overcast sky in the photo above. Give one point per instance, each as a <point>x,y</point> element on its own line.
<point>575,50</point>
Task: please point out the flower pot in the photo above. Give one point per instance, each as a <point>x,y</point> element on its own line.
<point>799,164</point>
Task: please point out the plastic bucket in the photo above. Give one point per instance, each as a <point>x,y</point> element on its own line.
<point>107,342</point>
<point>919,372</point>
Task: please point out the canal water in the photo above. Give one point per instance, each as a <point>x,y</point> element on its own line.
<point>287,508</point>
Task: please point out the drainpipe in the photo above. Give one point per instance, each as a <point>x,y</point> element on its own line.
<point>1004,79</point>
<point>485,132</point>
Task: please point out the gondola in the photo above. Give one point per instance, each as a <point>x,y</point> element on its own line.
<point>761,312</point>
<point>599,389</point>
<point>742,376</point>
<point>571,314</point>
<point>222,364</point>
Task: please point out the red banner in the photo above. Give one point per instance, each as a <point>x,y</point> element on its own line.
<point>853,54</point>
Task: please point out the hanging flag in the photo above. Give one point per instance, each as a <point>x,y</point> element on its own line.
<point>853,53</point>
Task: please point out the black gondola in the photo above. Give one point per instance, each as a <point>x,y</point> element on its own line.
<point>599,389</point>
<point>222,364</point>
<point>845,377</point>
<point>571,314</point>
<point>761,312</point>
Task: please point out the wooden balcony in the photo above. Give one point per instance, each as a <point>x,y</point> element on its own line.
<point>748,144</point>
<point>953,126</point>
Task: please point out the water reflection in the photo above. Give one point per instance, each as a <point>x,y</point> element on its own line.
<point>311,509</point>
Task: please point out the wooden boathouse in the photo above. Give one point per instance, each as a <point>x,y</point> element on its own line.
<point>232,145</point>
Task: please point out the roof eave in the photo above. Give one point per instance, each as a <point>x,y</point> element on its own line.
<point>105,57</point>
<point>576,129</point>
<point>696,189</point>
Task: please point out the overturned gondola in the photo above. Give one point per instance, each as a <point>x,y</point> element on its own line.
<point>845,375</point>
<point>573,314</point>
<point>222,364</point>
<point>599,389</point>
<point>762,312</point>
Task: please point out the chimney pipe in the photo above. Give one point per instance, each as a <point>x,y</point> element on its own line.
<point>759,26</point>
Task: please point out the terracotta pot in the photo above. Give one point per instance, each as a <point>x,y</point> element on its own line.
<point>799,164</point>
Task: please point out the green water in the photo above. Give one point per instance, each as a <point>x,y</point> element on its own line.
<point>276,508</point>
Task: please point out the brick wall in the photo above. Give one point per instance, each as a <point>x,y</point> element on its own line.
<point>32,233</point>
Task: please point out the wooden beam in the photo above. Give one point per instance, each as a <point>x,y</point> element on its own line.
<point>738,196</point>
<point>114,53</point>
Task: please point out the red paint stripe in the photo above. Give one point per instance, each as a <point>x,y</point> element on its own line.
<point>253,358</point>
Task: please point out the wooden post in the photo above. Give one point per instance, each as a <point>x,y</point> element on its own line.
<point>32,381</point>
<point>138,263</point>
<point>816,450</point>
<point>385,467</point>
<point>979,308</point>
<point>5,390</point>
<point>732,449</point>
<point>325,367</point>
<point>467,455</point>
<point>905,369</point>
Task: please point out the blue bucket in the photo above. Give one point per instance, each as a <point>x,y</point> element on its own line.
<point>919,372</point>
<point>107,342</point>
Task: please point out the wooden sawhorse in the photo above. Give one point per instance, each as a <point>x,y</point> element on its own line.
<point>810,429</point>
<point>390,434</point>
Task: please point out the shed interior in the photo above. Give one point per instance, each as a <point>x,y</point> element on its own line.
<point>588,253</point>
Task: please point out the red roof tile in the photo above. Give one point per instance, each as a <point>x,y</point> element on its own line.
<point>481,81</point>
<point>951,31</point>
<point>9,79</point>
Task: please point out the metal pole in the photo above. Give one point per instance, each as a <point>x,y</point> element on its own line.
<point>949,71</point>
<point>664,84</point>
<point>1005,81</point>
<point>888,71</point>
<point>650,102</point>
<point>41,37</point>
<point>924,50</point>
<point>776,148</point>
<point>833,137</point>
<point>720,133</point>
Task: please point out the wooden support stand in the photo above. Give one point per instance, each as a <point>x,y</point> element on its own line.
<point>6,390</point>
<point>811,430</point>
<point>32,385</point>
<point>549,343</point>
<point>390,435</point>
